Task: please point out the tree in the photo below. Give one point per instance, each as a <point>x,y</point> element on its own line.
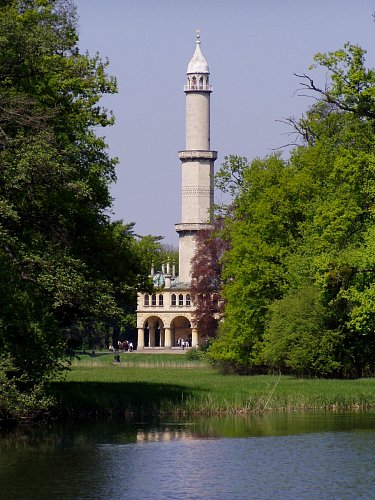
<point>260,230</point>
<point>295,338</point>
<point>352,84</point>
<point>299,273</point>
<point>206,283</point>
<point>62,261</point>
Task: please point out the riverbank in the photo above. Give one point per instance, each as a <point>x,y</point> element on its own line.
<point>168,385</point>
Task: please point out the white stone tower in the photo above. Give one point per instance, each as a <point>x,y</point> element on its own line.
<point>166,316</point>
<point>197,162</point>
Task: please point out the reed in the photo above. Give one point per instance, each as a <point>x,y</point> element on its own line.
<point>156,386</point>
<point>128,359</point>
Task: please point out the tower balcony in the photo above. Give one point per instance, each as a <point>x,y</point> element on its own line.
<point>192,227</point>
<point>191,155</point>
<point>198,87</point>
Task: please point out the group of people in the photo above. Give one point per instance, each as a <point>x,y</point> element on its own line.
<point>183,343</point>
<point>123,346</point>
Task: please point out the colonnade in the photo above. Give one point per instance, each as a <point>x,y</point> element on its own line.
<point>166,339</point>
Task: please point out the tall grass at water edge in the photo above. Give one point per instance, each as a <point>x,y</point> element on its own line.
<point>130,359</point>
<point>167,384</point>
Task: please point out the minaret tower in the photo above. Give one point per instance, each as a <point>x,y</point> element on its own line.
<point>197,162</point>
<point>166,316</point>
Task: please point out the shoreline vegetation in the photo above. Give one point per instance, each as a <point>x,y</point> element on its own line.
<point>166,385</point>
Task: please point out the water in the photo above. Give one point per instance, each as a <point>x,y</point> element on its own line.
<point>276,456</point>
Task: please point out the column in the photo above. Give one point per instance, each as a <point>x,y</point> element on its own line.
<point>141,338</point>
<point>168,338</point>
<point>194,337</point>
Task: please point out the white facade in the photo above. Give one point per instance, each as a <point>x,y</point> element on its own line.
<point>167,315</point>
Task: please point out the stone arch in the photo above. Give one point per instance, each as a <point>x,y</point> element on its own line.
<point>152,332</point>
<point>181,329</point>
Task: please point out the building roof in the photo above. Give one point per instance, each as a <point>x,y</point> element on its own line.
<point>198,63</point>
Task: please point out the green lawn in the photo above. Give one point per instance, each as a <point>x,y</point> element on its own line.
<point>167,384</point>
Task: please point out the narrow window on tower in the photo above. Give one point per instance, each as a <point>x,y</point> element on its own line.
<point>173,299</point>
<point>180,300</point>
<point>188,299</point>
<point>147,300</point>
<point>161,300</point>
<point>153,300</point>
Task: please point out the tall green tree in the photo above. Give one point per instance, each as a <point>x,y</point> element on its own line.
<point>261,231</point>
<point>299,272</point>
<point>62,261</point>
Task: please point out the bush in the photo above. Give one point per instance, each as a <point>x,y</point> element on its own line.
<point>17,404</point>
<point>197,354</point>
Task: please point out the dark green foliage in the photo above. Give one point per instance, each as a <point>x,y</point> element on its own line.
<point>154,253</point>
<point>295,338</point>
<point>19,398</point>
<point>63,264</point>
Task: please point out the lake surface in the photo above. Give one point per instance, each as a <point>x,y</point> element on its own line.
<point>273,456</point>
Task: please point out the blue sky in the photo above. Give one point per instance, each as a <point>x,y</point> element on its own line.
<point>253,48</point>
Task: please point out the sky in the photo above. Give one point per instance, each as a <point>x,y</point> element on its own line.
<point>253,48</point>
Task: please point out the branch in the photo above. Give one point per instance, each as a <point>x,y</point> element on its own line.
<point>287,145</point>
<point>328,97</point>
<point>300,130</point>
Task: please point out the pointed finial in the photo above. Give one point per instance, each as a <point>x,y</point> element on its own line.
<point>198,63</point>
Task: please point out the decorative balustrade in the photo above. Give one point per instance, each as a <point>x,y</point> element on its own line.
<point>197,86</point>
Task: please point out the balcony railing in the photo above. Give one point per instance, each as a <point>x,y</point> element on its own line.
<point>197,86</point>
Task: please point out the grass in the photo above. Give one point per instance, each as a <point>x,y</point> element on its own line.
<point>131,359</point>
<point>171,385</point>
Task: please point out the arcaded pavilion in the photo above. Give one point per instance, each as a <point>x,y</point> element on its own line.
<point>166,315</point>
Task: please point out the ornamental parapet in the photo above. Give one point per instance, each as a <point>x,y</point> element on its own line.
<point>198,88</point>
<point>197,154</point>
<point>185,227</point>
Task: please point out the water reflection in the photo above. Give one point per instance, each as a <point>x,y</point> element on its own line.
<point>299,455</point>
<point>81,435</point>
<point>243,426</point>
